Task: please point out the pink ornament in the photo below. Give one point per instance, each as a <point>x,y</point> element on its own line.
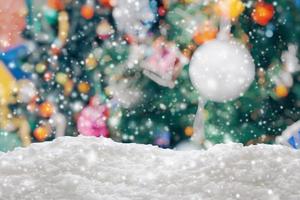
<point>164,64</point>
<point>92,121</point>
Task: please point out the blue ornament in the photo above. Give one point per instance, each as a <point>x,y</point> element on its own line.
<point>290,136</point>
<point>294,141</point>
<point>162,138</point>
<point>11,59</point>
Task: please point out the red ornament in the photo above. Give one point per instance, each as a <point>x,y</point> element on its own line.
<point>263,13</point>
<point>56,46</point>
<point>56,4</point>
<point>87,11</point>
<point>107,3</point>
<point>104,30</point>
<point>161,11</point>
<point>129,38</point>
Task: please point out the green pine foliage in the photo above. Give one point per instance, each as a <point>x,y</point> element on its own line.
<point>258,116</point>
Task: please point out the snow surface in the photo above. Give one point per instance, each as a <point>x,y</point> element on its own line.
<point>98,168</point>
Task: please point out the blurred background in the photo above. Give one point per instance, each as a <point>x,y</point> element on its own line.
<point>120,69</point>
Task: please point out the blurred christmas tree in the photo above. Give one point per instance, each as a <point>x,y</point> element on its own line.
<point>120,69</point>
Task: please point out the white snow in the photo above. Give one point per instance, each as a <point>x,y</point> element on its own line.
<point>89,168</point>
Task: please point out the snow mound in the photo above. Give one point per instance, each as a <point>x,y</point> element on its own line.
<point>98,168</point>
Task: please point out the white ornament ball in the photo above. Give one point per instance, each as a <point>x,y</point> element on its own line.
<point>222,70</point>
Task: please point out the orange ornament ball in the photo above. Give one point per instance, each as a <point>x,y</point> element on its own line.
<point>87,11</point>
<point>263,13</point>
<point>205,34</point>
<point>46,109</point>
<point>281,91</point>
<point>188,131</point>
<point>40,133</point>
<point>83,87</point>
